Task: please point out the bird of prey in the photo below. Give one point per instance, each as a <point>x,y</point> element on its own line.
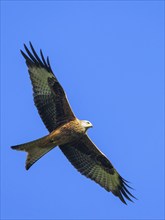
<point>66,131</point>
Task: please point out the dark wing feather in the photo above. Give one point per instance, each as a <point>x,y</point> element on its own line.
<point>92,163</point>
<point>49,96</point>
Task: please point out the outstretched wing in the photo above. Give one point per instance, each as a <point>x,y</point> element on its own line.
<point>49,96</point>
<point>93,164</point>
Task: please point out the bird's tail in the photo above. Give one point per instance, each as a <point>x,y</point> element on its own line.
<point>35,149</point>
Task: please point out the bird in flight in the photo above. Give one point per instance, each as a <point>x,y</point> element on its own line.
<point>65,130</point>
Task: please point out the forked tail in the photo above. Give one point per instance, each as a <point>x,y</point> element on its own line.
<point>35,149</point>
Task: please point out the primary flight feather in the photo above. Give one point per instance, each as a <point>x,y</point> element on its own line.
<point>66,131</point>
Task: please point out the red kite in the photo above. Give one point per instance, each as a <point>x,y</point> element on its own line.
<point>66,131</point>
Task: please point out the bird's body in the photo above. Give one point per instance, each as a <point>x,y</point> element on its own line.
<point>66,131</point>
<point>70,132</point>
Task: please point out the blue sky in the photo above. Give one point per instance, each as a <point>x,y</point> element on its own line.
<point>109,58</point>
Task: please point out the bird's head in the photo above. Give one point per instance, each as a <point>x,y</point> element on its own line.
<point>86,124</point>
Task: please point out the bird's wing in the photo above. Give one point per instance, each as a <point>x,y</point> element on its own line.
<point>93,164</point>
<point>49,96</point>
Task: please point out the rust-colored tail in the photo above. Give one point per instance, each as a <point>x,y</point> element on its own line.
<point>35,149</point>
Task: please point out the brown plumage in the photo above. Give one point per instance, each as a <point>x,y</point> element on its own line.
<point>66,131</point>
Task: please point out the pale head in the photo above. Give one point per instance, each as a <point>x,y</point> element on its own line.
<point>86,124</point>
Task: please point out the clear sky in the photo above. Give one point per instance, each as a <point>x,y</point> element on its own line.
<point>108,56</point>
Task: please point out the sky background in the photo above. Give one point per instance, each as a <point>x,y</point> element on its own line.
<point>109,58</point>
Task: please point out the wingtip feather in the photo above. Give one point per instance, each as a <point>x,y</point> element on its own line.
<point>13,147</point>
<point>32,58</point>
